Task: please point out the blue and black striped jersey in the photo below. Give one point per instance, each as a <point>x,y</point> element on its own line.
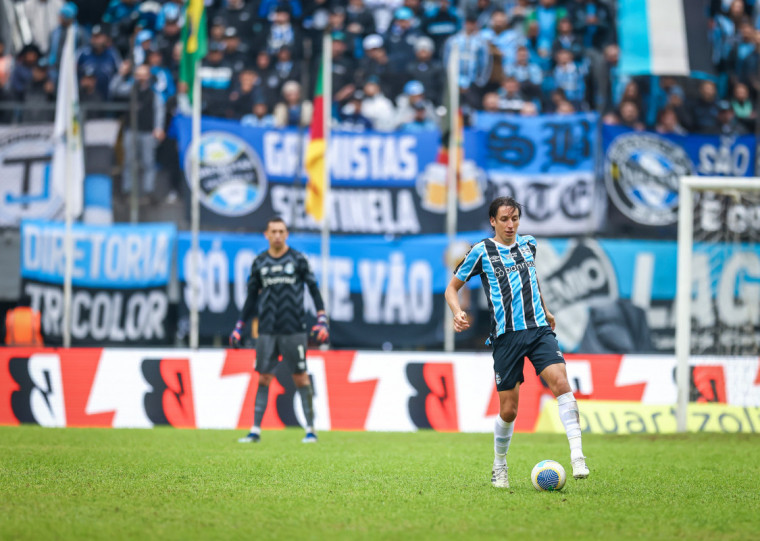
<point>508,274</point>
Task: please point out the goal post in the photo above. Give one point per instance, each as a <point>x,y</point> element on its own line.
<point>689,186</point>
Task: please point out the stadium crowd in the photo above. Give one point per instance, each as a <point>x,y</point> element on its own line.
<point>522,57</point>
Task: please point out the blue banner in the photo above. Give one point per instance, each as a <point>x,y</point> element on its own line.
<point>642,172</point>
<point>113,257</point>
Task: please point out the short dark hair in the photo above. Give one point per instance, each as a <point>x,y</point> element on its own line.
<point>275,219</point>
<point>504,201</point>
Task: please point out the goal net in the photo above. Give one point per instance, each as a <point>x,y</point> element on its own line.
<point>718,297</point>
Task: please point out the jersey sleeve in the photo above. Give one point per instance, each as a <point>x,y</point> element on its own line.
<point>471,265</point>
<point>311,282</point>
<point>250,307</point>
<point>533,245</point>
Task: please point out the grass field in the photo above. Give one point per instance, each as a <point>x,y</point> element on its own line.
<point>192,484</point>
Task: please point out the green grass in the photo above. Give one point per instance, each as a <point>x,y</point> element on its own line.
<point>192,484</point>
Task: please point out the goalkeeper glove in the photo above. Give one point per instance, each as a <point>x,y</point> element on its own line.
<point>236,336</point>
<point>319,332</point>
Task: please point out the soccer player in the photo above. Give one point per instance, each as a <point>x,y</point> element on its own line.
<point>521,326</point>
<point>275,294</point>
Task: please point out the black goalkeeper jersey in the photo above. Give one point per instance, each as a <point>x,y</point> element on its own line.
<point>275,292</point>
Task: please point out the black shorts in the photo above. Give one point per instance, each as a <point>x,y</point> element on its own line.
<point>292,347</point>
<point>510,349</point>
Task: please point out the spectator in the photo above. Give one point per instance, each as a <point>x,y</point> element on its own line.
<point>67,17</point>
<point>292,111</point>
<point>400,38</point>
<point>705,109</point>
<point>382,11</point>
<point>352,118</point>
<point>21,76</point>
<point>440,21</point>
<point>143,43</point>
<point>474,56</point>
<point>538,55</point>
<point>216,80</point>
<point>140,147</point>
<point>343,74</point>
<point>285,68</point>
<point>247,94</point>
<point>336,23</point>
<point>743,58</point>
<point>236,52</point>
<point>511,100</point>
<point>283,33</point>
<point>377,107</point>
<point>172,10</point>
<point>743,107</point>
<point>163,81</point>
<point>420,121</point>
<point>120,18</point>
<point>242,17</point>
<point>566,39</point>
<point>504,39</point>
<point>667,122</point>
<point>547,15</point>
<point>260,117</point>
<point>531,109</point>
<point>42,16</point>
<point>168,37</point>
<point>217,29</point>
<point>569,77</point>
<point>727,125</point>
<point>359,22</point>
<point>427,70</point>
<point>377,64</point>
<point>565,108</point>
<point>270,83</point>
<point>491,102</point>
<point>630,115</point>
<point>725,34</point>
<point>102,59</point>
<point>528,74</point>
<point>89,94</point>
<point>414,93</point>
<point>268,9</point>
<point>592,22</point>
<point>39,92</point>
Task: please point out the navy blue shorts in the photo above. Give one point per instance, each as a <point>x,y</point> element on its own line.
<point>510,349</point>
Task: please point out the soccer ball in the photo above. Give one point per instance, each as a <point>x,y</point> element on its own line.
<point>548,475</point>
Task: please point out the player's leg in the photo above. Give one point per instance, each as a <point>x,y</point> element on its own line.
<point>293,348</point>
<point>508,366</point>
<point>550,365</point>
<point>266,362</point>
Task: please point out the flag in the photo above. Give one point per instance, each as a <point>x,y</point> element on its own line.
<point>194,42</point>
<point>315,154</point>
<point>68,154</point>
<point>664,37</point>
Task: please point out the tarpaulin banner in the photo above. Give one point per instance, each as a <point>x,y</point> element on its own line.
<point>393,183</point>
<point>642,171</point>
<point>358,390</point>
<point>119,281</point>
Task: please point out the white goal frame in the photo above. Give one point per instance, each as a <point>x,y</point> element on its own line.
<point>688,185</point>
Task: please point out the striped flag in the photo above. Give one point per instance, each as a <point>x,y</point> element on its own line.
<point>315,153</point>
<point>194,42</point>
<point>68,153</point>
<point>664,37</point>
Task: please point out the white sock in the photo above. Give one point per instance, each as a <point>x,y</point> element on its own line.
<point>568,414</point>
<point>502,436</point>
<point>256,430</point>
<point>310,430</point>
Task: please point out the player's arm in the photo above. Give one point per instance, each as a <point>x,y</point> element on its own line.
<point>461,322</point>
<point>549,316</point>
<point>250,307</point>
<point>320,331</point>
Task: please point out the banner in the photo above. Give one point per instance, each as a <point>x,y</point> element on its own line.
<point>383,293</point>
<point>642,171</point>
<point>120,277</point>
<point>359,390</point>
<point>391,183</point>
<point>27,190</point>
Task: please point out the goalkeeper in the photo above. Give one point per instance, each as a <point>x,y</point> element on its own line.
<point>276,295</point>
